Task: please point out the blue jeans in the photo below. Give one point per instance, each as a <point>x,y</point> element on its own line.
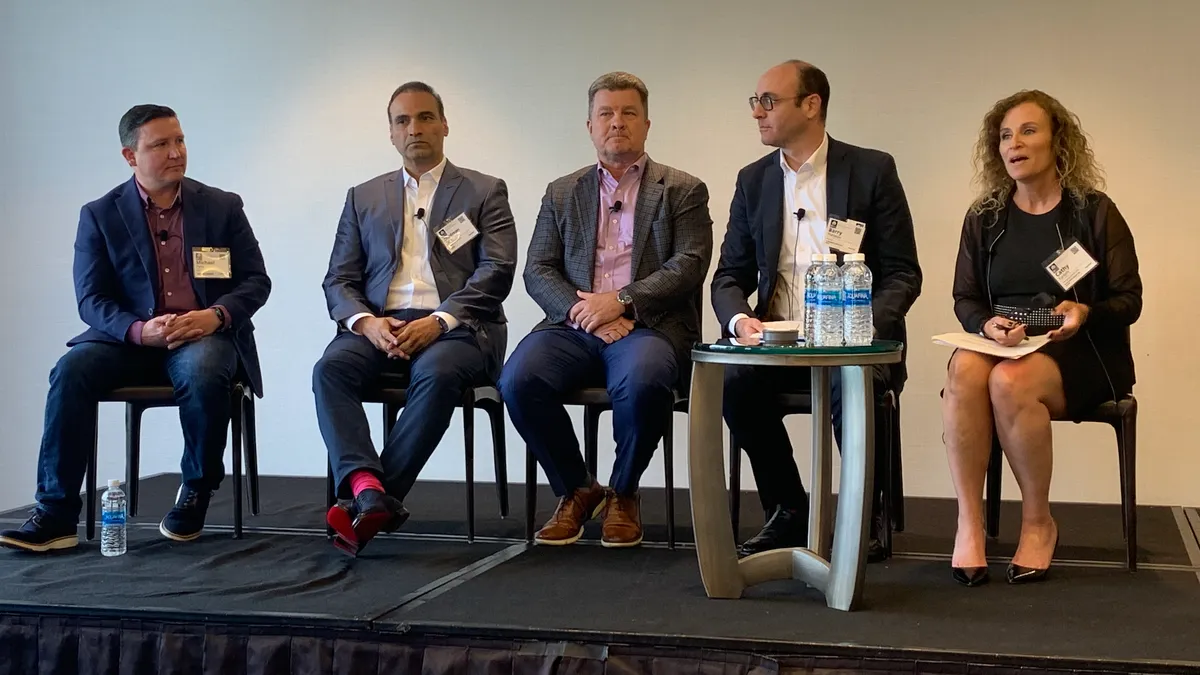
<point>202,374</point>
<point>640,372</point>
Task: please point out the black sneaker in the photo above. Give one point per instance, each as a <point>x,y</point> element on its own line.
<point>186,520</point>
<point>41,533</point>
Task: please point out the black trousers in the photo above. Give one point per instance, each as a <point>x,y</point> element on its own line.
<point>755,416</point>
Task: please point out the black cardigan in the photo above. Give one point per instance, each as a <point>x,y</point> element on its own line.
<point>1112,291</point>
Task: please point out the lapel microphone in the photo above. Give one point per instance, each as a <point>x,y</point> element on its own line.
<point>616,207</point>
<point>800,214</point>
<point>163,236</point>
<point>421,214</point>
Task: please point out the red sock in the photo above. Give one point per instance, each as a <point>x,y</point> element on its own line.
<point>364,480</point>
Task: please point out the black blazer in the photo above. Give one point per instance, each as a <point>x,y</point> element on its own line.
<point>1112,291</point>
<point>861,184</point>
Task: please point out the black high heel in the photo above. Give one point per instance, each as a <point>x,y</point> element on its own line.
<point>1018,574</point>
<point>970,576</point>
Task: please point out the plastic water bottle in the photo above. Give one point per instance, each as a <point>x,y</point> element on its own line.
<point>828,320</point>
<point>856,301</point>
<point>810,299</point>
<point>112,520</point>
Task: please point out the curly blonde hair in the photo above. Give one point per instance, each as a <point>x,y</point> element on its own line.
<point>1078,172</point>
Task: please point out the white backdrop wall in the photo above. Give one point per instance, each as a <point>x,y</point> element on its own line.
<point>283,102</point>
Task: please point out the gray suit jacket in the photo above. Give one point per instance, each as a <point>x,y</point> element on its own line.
<point>672,247</point>
<point>472,283</point>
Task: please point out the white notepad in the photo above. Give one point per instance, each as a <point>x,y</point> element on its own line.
<point>983,345</point>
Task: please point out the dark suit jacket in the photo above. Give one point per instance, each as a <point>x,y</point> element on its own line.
<point>861,184</point>
<point>116,280</point>
<point>472,282</point>
<point>672,248</point>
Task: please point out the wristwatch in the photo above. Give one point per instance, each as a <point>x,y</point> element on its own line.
<point>220,318</point>
<point>442,322</point>
<point>625,299</point>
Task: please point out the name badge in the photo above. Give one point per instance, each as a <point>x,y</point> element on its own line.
<point>209,262</point>
<point>1070,265</point>
<point>456,232</point>
<point>844,235</point>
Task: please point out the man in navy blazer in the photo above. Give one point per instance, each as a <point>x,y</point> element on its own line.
<point>167,274</point>
<point>777,220</point>
<point>421,264</point>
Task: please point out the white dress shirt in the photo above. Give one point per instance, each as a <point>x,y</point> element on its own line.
<point>413,285</point>
<point>803,188</point>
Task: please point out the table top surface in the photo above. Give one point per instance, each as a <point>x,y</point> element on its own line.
<point>750,353</point>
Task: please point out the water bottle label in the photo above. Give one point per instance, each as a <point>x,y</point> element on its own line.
<point>829,298</point>
<point>858,297</point>
<point>112,518</point>
<point>810,296</point>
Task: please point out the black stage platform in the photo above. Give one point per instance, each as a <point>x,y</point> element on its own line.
<point>282,600</point>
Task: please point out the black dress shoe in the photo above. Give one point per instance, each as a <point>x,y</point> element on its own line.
<point>876,551</point>
<point>186,520</point>
<point>786,528</point>
<point>1018,574</point>
<point>356,523</point>
<point>41,533</point>
<point>971,576</point>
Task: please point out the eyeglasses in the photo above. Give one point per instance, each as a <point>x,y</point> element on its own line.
<point>767,101</point>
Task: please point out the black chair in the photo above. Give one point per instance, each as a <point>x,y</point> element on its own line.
<point>887,414</point>
<point>392,392</point>
<point>138,400</point>
<point>1122,417</point>
<point>595,401</point>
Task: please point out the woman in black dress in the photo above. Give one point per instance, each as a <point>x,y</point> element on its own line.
<point>1040,193</point>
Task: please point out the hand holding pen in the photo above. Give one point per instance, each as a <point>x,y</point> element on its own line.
<point>1005,332</point>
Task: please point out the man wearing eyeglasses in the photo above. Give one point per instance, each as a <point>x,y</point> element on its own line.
<point>422,261</point>
<point>779,217</point>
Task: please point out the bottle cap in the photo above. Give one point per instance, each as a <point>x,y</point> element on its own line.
<point>114,482</point>
<point>818,257</point>
<point>829,257</point>
<point>856,257</point>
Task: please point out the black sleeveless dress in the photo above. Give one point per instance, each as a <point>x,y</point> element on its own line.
<point>1022,289</point>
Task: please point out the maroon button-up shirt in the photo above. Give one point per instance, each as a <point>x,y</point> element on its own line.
<point>175,292</point>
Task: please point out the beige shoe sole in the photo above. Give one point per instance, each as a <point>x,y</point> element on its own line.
<point>621,544</point>
<point>162,529</point>
<point>571,540</point>
<point>70,541</point>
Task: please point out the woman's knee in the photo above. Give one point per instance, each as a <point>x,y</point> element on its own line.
<point>968,373</point>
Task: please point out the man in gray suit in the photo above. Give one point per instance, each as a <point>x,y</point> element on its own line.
<point>423,260</point>
<point>617,262</point>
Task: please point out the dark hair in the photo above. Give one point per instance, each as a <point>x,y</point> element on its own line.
<point>811,80</point>
<point>618,81</point>
<point>137,116</point>
<point>416,86</point>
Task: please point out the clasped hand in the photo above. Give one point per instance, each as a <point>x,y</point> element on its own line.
<point>399,339</point>
<point>175,330</point>
<point>602,315</point>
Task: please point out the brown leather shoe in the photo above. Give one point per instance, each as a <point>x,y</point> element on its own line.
<point>622,521</point>
<point>575,509</point>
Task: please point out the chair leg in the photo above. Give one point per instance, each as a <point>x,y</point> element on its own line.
<point>1127,451</point>
<point>995,467</point>
<point>897,470</point>
<point>250,437</point>
<point>495,413</point>
<point>90,488</point>
<point>235,438</point>
<point>669,477</point>
<point>330,496</point>
<point>390,413</point>
<point>133,453</point>
<point>591,438</point>
<point>468,412</point>
<point>883,491</point>
<point>735,484</point>
<point>530,494</point>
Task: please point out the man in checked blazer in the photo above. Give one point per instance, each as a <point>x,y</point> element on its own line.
<point>617,262</point>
